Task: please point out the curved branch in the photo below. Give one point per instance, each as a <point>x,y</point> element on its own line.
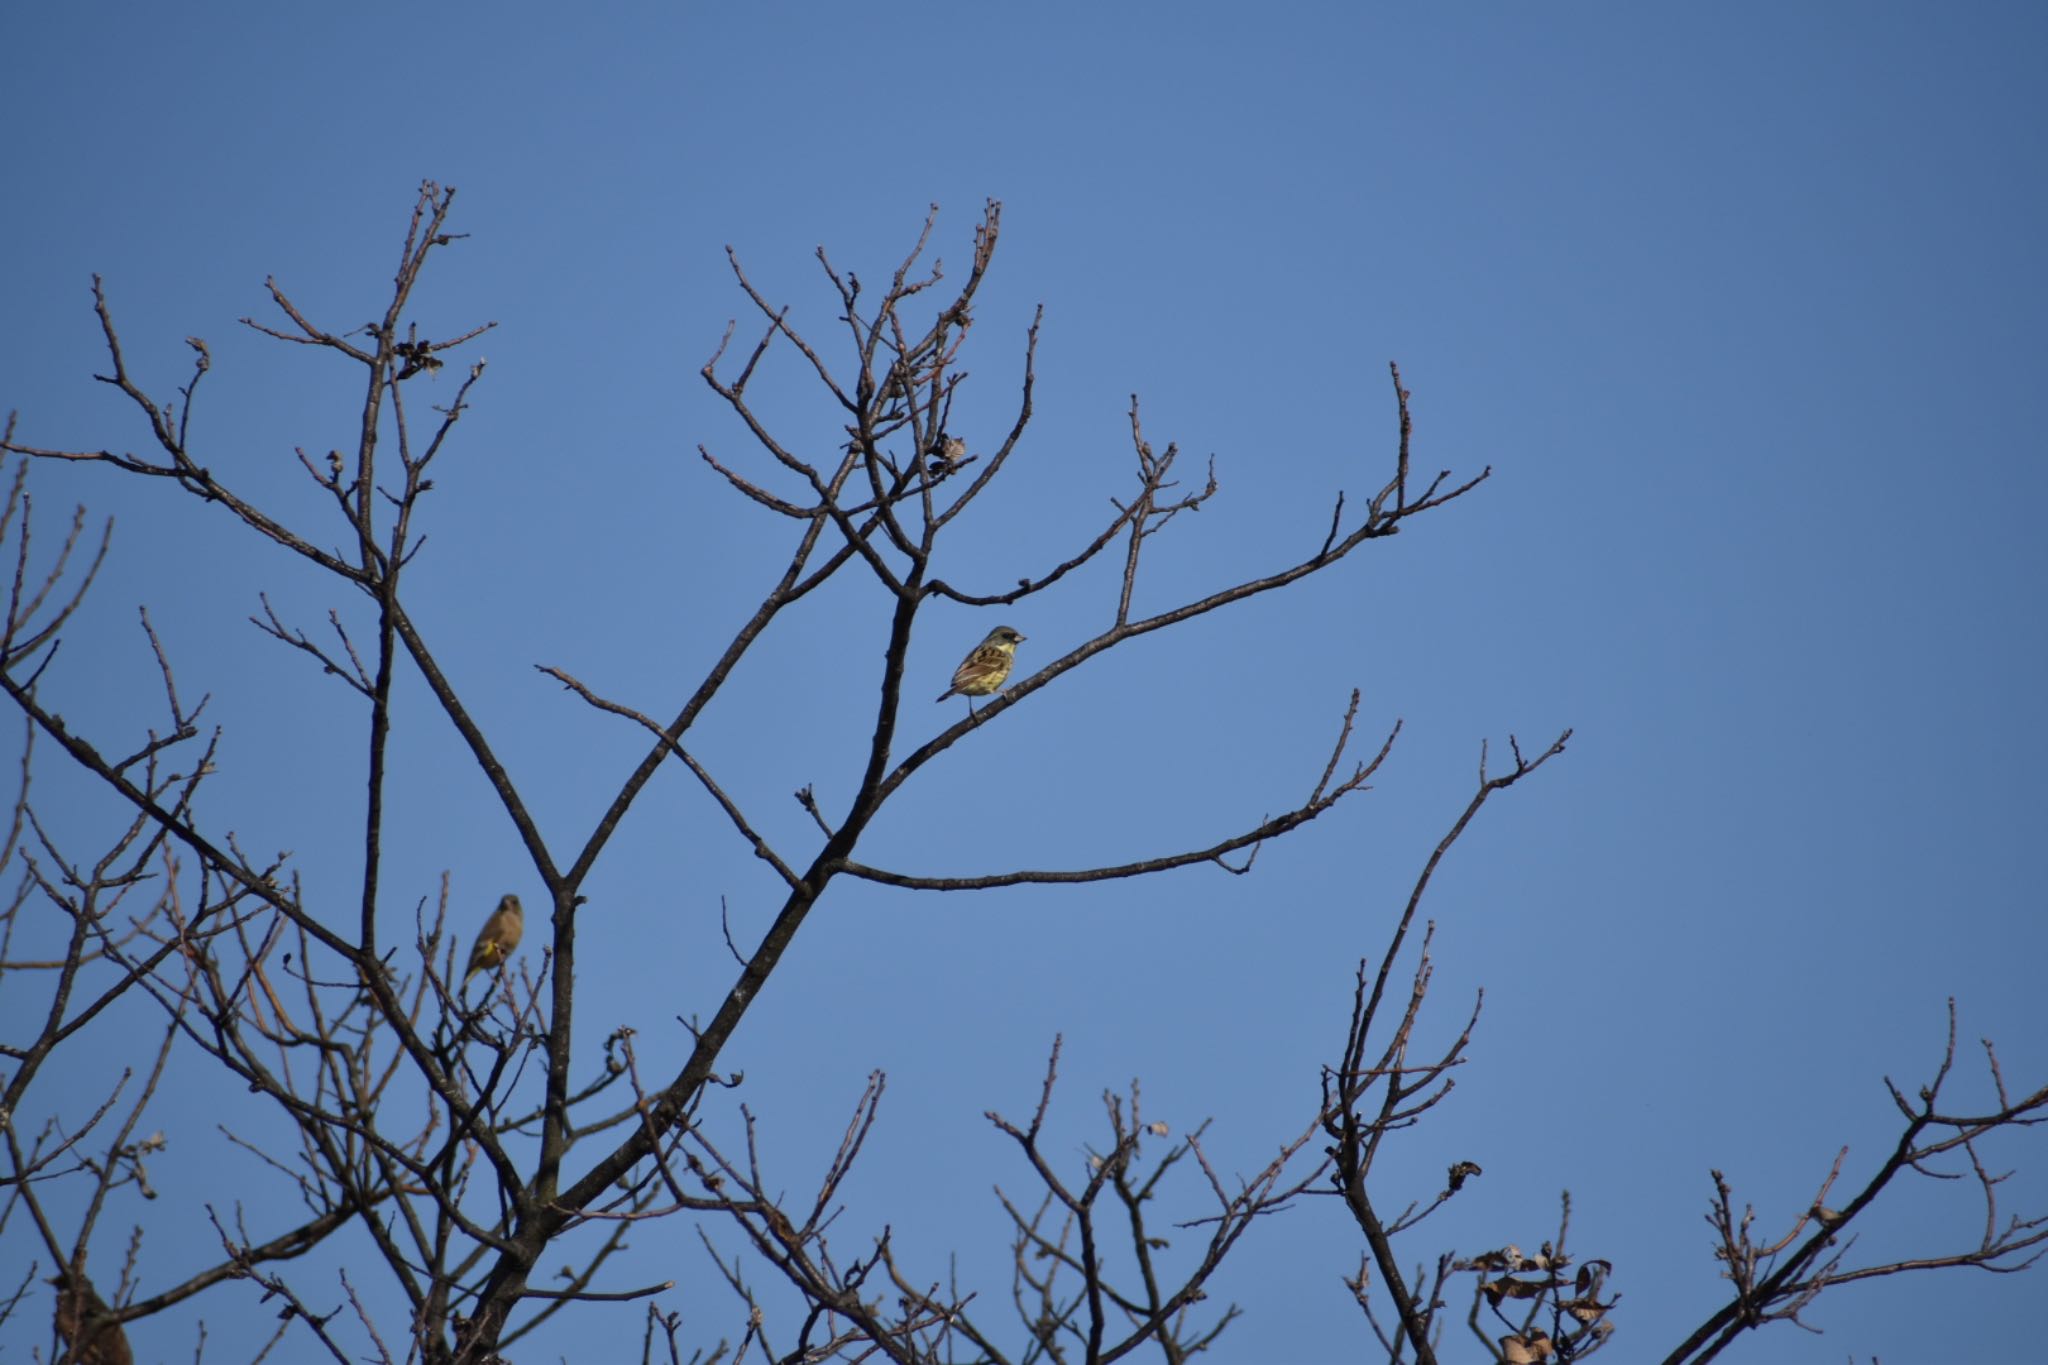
<point>1321,799</point>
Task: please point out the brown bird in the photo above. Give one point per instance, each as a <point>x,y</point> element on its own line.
<point>496,940</point>
<point>87,1326</point>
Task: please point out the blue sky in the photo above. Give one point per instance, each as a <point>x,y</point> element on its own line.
<point>1742,305</point>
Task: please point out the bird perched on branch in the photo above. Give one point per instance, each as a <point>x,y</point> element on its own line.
<point>87,1326</point>
<point>986,667</point>
<point>496,940</point>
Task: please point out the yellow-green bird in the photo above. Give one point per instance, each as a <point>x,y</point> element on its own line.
<point>496,940</point>
<point>986,667</point>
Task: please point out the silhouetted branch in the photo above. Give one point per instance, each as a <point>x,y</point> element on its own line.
<point>1775,1281</point>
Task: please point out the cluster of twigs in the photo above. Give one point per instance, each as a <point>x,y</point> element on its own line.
<point>448,1136</point>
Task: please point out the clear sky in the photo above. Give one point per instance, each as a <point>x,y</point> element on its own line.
<point>1741,303</point>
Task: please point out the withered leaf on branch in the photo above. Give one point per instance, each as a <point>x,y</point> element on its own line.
<point>1509,1258</point>
<point>1533,1349</point>
<point>1497,1290</point>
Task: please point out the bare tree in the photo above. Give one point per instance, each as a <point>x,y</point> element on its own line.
<point>444,1131</point>
<point>1532,1307</point>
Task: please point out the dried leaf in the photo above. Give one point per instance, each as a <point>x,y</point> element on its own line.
<point>1496,1290</point>
<point>1505,1259</point>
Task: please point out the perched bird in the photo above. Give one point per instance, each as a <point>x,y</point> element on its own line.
<point>986,667</point>
<point>87,1326</point>
<point>496,940</point>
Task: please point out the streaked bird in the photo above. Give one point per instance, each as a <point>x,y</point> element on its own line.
<point>87,1326</point>
<point>496,940</point>
<point>986,667</point>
